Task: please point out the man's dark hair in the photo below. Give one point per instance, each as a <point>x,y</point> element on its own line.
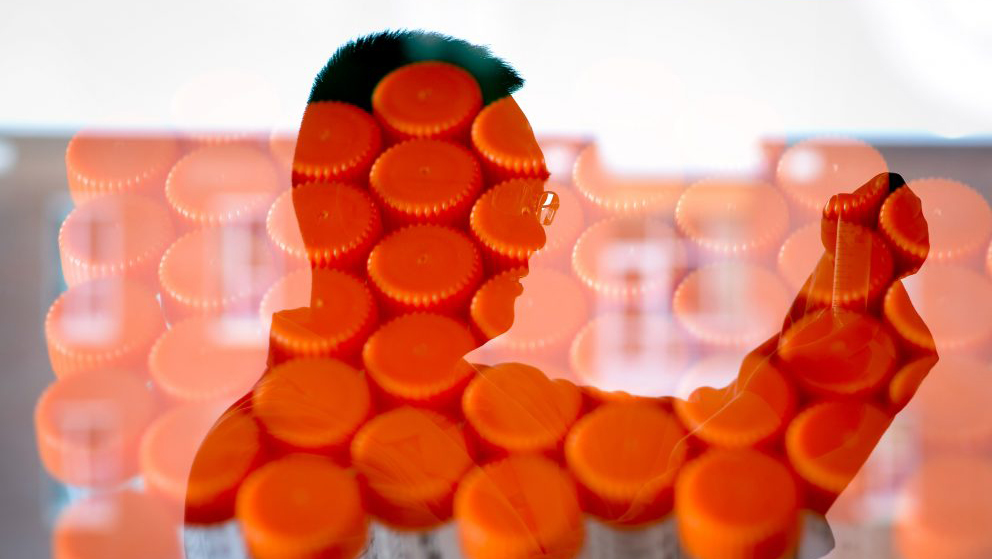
<point>353,71</point>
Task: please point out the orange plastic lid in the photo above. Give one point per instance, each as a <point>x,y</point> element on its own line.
<point>336,142</point>
<point>411,461</point>
<point>302,506</point>
<point>731,304</point>
<point>828,442</point>
<point>953,302</point>
<point>203,359</point>
<point>291,291</point>
<point>568,224</point>
<point>836,352</point>
<point>115,235</point>
<point>231,450</point>
<point>169,446</point>
<point>608,192</point>
<point>417,358</point>
<point>958,216</point>
<point>732,219</point>
<point>108,323</point>
<point>860,207</point>
<point>899,313</point>
<point>115,526</point>
<point>752,410</point>
<point>902,222</point>
<point>855,277</point>
<point>340,316</point>
<point>506,223</point>
<point>426,181</point>
<point>492,306</point>
<point>216,271</point>
<point>518,508</point>
<point>737,503</point>
<point>907,380</point>
<point>812,171</point>
<point>88,426</point>
<point>328,225</point>
<point>800,254</point>
<point>515,408</point>
<point>952,407</point>
<point>429,99</point>
<point>312,404</point>
<point>98,163</point>
<point>625,352</point>
<point>626,455</point>
<point>633,260</point>
<point>544,319</point>
<point>502,136</point>
<point>222,184</point>
<point>947,510</point>
<point>425,267</point>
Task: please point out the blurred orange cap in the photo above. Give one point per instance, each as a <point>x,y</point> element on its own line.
<point>119,525</point>
<point>98,164</point>
<point>611,193</point>
<point>811,171</point>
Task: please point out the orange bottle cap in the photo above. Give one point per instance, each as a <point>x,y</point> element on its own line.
<point>515,408</point>
<point>630,259</point>
<point>169,446</point>
<point>492,306</point>
<point>417,359</point>
<point>430,99</point>
<point>88,427</point>
<point>737,503</point>
<point>954,303</point>
<point>505,221</point>
<point>204,359</point>
<point>855,277</point>
<point>328,225</point>
<point>947,510</point>
<point>836,352</point>
<point>812,171</point>
<point>222,184</point>
<point>215,271</point>
<point>518,508</point>
<point>624,352</point>
<point>799,254</point>
<point>828,442</point>
<point>425,267</point>
<point>568,224</point>
<point>860,207</point>
<point>99,164</point>
<point>230,451</point>
<point>426,181</point>
<point>312,404</point>
<point>340,316</point>
<point>502,136</point>
<point>411,461</point>
<point>551,309</point>
<point>336,142</point>
<point>902,223</point>
<point>752,410</point>
<point>115,235</point>
<point>899,313</point>
<point>906,381</point>
<point>116,525</point>
<point>608,192</point>
<point>291,291</point>
<point>958,216</point>
<point>626,456</point>
<point>952,407</point>
<point>730,303</point>
<point>732,219</point>
<point>108,323</point>
<point>302,506</point>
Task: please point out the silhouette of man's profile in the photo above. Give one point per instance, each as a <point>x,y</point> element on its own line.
<point>419,197</point>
